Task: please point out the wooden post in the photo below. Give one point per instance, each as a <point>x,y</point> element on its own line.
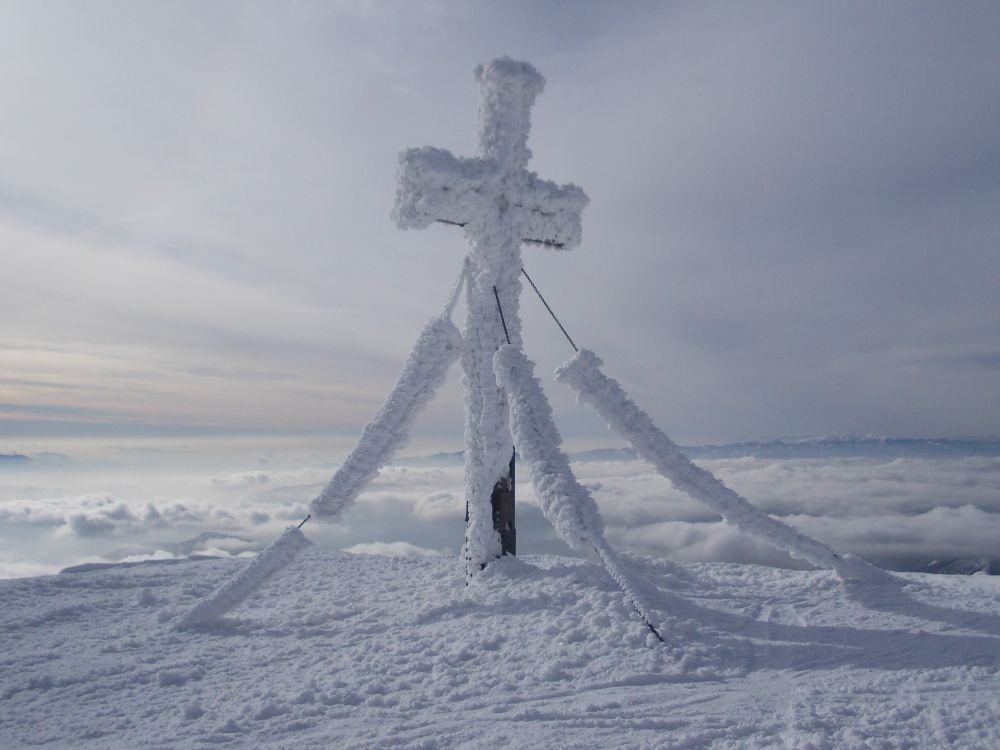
<point>502,502</point>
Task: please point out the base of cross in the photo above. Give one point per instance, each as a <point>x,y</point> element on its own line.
<point>502,503</point>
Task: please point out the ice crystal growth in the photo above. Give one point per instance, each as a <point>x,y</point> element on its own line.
<point>507,89</point>
<point>434,185</point>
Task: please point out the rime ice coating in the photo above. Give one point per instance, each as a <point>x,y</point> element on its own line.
<point>434,185</point>
<point>425,370</point>
<point>499,204</point>
<point>507,90</point>
<point>583,373</point>
<point>566,504</point>
<point>234,592</point>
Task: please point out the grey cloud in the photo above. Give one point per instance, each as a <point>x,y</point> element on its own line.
<point>790,202</point>
<point>440,505</point>
<point>53,410</point>
<point>221,372</point>
<point>793,216</point>
<point>91,525</point>
<point>981,360</point>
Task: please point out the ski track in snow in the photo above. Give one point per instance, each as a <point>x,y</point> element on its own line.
<point>361,651</point>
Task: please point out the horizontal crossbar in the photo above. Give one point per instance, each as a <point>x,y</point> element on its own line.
<point>547,243</point>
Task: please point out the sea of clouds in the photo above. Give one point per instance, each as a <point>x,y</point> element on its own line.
<point>902,510</point>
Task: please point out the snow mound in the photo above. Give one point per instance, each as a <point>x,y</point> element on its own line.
<point>371,652</point>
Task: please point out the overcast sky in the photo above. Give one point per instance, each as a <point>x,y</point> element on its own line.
<point>794,225</point>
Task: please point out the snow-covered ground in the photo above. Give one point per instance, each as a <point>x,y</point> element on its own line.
<point>345,650</point>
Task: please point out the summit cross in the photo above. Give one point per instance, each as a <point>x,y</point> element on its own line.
<point>499,204</point>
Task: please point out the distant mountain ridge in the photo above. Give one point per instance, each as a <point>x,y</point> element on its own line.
<point>837,446</point>
<point>965,566</point>
<point>848,446</point>
<point>12,460</point>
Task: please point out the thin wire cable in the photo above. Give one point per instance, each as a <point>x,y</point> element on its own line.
<point>456,290</point>
<point>575,347</point>
<point>502,319</point>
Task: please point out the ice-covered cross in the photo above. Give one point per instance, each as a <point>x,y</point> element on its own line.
<point>499,204</point>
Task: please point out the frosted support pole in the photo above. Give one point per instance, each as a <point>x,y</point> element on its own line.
<point>242,586</point>
<point>566,504</point>
<point>622,416</point>
<point>425,370</point>
<point>436,350</point>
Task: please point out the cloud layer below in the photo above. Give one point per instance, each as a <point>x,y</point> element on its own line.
<point>902,512</point>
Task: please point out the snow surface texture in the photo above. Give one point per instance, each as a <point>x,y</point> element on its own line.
<point>425,370</point>
<point>499,204</point>
<point>273,558</point>
<point>583,373</point>
<point>539,652</point>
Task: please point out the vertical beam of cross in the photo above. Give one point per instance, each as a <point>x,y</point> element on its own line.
<point>500,205</point>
